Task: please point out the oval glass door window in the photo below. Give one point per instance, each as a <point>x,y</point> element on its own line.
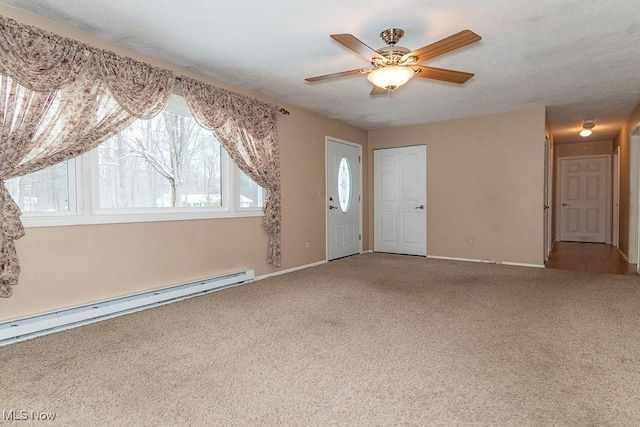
<point>344,184</point>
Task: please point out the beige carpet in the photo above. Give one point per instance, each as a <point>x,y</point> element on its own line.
<point>373,339</point>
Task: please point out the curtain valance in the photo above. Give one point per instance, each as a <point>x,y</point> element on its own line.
<point>43,62</point>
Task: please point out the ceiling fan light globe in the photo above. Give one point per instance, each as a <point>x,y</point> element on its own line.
<point>390,78</point>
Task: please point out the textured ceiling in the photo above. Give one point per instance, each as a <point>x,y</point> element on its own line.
<point>580,59</point>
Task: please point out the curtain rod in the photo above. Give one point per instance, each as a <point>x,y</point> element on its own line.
<point>282,110</point>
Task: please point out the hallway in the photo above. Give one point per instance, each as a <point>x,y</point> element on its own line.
<point>592,257</point>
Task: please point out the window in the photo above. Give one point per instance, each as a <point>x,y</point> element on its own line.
<point>168,161</point>
<point>168,167</point>
<point>251,195</point>
<point>344,184</point>
<point>46,190</point>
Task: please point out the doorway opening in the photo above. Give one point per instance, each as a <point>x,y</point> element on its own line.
<point>590,257</point>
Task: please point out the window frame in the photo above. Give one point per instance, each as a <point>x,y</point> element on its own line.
<point>84,207</point>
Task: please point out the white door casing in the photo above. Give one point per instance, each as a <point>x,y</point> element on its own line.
<point>616,199</point>
<point>584,203</point>
<point>633,251</point>
<point>343,198</point>
<point>548,156</point>
<point>400,197</point>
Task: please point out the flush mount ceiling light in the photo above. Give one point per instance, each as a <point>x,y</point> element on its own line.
<point>586,128</point>
<point>390,78</point>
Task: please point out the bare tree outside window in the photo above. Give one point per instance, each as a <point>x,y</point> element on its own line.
<point>168,161</point>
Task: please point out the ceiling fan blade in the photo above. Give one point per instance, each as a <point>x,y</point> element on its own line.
<point>378,91</point>
<point>334,75</point>
<point>351,42</point>
<point>442,74</point>
<point>453,42</point>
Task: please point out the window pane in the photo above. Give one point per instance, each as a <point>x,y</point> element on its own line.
<point>46,190</point>
<point>344,184</point>
<point>251,194</point>
<point>168,161</point>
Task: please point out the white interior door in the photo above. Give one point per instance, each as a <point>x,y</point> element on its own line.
<point>343,199</point>
<point>583,199</point>
<point>400,197</point>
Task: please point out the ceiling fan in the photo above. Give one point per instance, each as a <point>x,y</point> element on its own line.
<point>392,66</point>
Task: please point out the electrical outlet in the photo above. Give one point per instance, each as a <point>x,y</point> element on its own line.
<point>307,245</point>
<point>472,241</point>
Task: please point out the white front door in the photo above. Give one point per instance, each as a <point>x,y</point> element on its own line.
<point>400,198</point>
<point>343,199</point>
<point>583,199</point>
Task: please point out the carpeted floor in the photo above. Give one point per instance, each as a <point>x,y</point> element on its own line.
<point>373,339</point>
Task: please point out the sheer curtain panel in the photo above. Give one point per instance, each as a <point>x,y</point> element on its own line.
<point>247,128</point>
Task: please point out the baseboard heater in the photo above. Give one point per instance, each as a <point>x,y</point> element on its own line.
<point>42,324</point>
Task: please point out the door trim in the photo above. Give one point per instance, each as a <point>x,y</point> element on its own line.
<point>548,199</point>
<point>615,219</point>
<point>327,140</point>
<point>608,190</point>
<point>634,197</point>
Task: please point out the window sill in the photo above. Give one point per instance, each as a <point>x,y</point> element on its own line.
<point>63,220</point>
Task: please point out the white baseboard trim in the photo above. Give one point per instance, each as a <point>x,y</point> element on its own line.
<point>370,251</point>
<point>626,258</point>
<point>522,264</point>
<point>486,261</point>
<point>289,270</point>
<point>461,259</point>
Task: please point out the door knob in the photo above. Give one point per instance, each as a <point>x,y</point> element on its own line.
<point>420,207</point>
<point>333,207</point>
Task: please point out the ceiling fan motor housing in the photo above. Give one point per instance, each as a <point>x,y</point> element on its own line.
<point>392,56</point>
<point>392,36</point>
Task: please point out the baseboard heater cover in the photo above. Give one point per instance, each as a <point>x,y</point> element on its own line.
<point>34,326</point>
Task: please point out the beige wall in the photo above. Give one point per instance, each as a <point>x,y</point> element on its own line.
<point>622,140</point>
<point>484,180</point>
<point>67,266</point>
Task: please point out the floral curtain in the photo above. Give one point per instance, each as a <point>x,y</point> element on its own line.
<point>59,99</point>
<point>247,128</point>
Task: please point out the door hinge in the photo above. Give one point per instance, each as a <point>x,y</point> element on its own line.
<point>359,198</point>
<point>359,159</point>
<point>359,236</point>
